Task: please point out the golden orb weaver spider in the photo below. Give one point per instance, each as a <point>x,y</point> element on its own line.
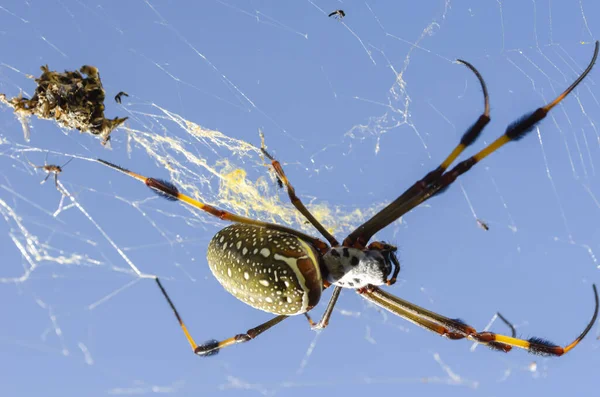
<point>283,271</point>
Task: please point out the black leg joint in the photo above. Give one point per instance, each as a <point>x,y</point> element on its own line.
<point>431,177</point>
<point>210,348</point>
<point>241,338</point>
<point>475,130</point>
<point>460,169</point>
<point>525,124</point>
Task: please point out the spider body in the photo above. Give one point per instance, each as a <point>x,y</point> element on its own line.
<point>268,269</point>
<point>283,271</point>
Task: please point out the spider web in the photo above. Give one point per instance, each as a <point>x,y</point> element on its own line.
<point>356,110</point>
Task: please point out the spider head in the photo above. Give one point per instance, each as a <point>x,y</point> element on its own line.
<point>355,268</point>
<point>388,251</point>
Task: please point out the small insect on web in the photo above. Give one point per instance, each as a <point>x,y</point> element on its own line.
<point>482,224</point>
<point>338,14</point>
<point>284,271</point>
<point>52,169</point>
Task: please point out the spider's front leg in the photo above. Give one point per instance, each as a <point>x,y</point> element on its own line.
<point>456,329</point>
<point>361,236</point>
<point>442,177</point>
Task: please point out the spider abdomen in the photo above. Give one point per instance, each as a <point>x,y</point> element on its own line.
<point>268,269</point>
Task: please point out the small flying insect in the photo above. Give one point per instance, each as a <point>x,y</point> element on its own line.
<point>338,14</point>
<point>483,224</point>
<point>119,95</point>
<point>52,169</point>
<point>284,271</point>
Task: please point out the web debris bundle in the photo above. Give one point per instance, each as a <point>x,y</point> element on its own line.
<point>69,98</point>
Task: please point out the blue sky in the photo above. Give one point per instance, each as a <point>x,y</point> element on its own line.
<point>356,111</point>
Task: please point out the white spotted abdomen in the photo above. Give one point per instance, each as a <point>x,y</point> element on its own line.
<point>268,269</point>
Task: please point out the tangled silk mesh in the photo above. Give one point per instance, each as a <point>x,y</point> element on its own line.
<point>74,267</point>
<point>239,193</point>
<point>221,182</point>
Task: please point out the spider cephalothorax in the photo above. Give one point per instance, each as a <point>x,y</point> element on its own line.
<point>294,279</point>
<point>349,267</point>
<point>283,271</point>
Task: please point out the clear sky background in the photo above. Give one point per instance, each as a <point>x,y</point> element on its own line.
<point>356,111</point>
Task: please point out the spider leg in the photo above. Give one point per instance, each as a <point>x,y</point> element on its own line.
<point>456,329</point>
<point>296,201</point>
<point>170,191</point>
<point>361,236</point>
<point>324,322</point>
<point>212,347</point>
<point>406,310</point>
<point>508,323</point>
<point>438,180</point>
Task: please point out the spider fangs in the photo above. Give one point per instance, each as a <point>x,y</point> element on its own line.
<point>283,271</point>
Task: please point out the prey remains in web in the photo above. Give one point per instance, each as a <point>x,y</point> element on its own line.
<point>69,98</point>
<point>284,271</point>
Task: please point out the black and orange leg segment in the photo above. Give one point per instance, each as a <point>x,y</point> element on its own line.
<point>282,178</point>
<point>361,236</point>
<point>171,192</point>
<point>438,180</point>
<point>515,131</point>
<point>212,347</point>
<point>456,329</point>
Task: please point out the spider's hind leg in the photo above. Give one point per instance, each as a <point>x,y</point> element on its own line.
<point>212,347</point>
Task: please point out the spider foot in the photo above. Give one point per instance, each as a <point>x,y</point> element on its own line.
<point>318,327</point>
